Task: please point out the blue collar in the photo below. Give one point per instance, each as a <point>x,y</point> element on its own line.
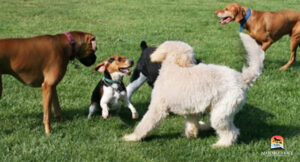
<point>243,22</point>
<point>110,81</point>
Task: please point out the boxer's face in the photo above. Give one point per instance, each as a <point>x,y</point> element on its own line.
<point>87,51</point>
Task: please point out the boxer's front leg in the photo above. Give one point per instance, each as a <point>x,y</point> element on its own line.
<point>47,90</point>
<point>56,106</point>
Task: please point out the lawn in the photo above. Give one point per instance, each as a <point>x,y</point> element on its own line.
<point>272,107</point>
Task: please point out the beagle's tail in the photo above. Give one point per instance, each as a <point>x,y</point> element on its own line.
<point>255,59</point>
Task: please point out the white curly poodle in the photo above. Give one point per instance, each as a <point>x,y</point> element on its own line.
<point>190,90</point>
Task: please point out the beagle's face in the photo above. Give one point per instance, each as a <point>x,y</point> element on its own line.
<point>115,65</point>
<point>231,12</point>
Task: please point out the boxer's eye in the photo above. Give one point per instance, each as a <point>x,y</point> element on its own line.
<point>119,59</point>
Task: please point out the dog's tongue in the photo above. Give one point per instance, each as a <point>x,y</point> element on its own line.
<point>126,71</point>
<point>225,20</point>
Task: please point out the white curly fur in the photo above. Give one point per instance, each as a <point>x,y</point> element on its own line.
<point>192,90</point>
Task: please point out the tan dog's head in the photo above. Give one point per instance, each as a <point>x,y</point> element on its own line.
<point>86,46</point>
<point>176,52</point>
<point>117,66</point>
<point>231,12</point>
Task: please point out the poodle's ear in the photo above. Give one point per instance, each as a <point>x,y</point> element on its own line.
<point>185,61</point>
<point>101,67</point>
<point>158,55</point>
<point>240,14</point>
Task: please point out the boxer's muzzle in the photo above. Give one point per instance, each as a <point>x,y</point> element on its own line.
<point>89,60</point>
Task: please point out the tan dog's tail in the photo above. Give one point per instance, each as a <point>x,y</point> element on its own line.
<point>255,59</point>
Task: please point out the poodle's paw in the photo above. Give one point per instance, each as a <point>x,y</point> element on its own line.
<point>135,115</point>
<point>221,144</point>
<point>131,137</point>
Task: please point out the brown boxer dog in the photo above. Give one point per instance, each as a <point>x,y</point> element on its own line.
<point>42,61</point>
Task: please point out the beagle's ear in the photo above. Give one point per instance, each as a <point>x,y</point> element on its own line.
<point>101,67</point>
<point>240,14</point>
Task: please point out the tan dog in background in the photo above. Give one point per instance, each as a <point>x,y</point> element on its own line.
<point>42,62</point>
<point>265,27</point>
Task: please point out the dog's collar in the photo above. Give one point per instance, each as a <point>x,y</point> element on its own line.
<point>110,81</point>
<point>243,22</point>
<point>72,43</point>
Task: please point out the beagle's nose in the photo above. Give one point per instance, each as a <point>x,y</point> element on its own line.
<point>131,62</point>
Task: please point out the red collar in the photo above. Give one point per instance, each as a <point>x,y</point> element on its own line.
<point>72,43</point>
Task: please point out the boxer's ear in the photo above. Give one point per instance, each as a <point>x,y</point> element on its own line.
<point>93,43</point>
<point>101,67</point>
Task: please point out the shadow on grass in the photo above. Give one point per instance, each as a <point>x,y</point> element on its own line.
<point>250,120</point>
<point>252,124</point>
<point>74,113</point>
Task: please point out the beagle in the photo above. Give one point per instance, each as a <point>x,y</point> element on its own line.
<point>111,89</point>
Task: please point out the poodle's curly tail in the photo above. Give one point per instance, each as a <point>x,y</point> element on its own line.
<point>255,59</point>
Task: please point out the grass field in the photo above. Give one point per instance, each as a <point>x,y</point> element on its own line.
<point>272,107</point>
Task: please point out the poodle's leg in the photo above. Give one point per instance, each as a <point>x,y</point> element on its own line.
<point>222,117</point>
<point>151,119</point>
<point>191,126</point>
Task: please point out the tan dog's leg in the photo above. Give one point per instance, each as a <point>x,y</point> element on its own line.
<point>294,45</point>
<point>47,96</point>
<point>266,45</point>
<point>56,107</point>
<point>0,86</point>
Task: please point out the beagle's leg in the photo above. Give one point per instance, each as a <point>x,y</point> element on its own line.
<point>295,40</point>
<point>56,107</point>
<point>92,109</point>
<point>47,90</point>
<point>107,96</point>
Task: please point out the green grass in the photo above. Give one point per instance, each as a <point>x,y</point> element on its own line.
<point>272,107</point>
